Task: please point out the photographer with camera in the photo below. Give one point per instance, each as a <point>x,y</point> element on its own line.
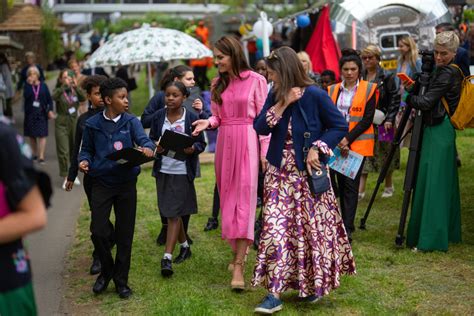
<point>435,216</point>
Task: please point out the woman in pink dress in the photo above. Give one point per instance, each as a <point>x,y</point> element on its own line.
<point>238,95</point>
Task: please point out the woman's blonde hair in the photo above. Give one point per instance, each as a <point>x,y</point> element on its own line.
<point>447,39</point>
<point>289,69</point>
<point>304,56</point>
<point>372,49</point>
<point>32,70</point>
<point>412,54</point>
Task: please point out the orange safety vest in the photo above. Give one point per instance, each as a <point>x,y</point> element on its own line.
<point>364,144</point>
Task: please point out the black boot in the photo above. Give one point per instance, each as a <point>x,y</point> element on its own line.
<point>161,239</point>
<point>212,223</point>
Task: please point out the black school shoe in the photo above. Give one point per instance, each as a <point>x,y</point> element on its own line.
<point>184,254</point>
<point>166,267</point>
<point>212,223</point>
<point>100,284</point>
<point>161,239</point>
<point>123,291</point>
<point>96,267</point>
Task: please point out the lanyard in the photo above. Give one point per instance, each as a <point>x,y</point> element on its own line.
<point>68,98</point>
<point>36,91</point>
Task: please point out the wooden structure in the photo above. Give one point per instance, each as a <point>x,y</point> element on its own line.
<point>23,25</point>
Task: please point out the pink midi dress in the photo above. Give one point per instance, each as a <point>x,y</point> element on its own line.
<point>238,153</point>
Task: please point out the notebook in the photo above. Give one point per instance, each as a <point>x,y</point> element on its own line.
<point>174,143</point>
<point>129,157</point>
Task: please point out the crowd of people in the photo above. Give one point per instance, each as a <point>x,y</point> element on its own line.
<point>279,122</point>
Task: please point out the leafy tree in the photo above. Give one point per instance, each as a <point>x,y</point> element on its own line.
<point>51,35</point>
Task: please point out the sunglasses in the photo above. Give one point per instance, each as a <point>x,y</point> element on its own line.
<point>272,55</point>
<point>367,57</point>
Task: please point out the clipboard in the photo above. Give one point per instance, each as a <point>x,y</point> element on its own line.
<point>174,144</point>
<point>129,157</point>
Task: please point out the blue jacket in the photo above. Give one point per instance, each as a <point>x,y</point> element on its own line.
<point>158,102</point>
<point>326,124</point>
<point>463,61</point>
<point>97,143</point>
<point>199,145</point>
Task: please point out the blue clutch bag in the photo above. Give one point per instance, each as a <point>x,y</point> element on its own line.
<point>319,181</point>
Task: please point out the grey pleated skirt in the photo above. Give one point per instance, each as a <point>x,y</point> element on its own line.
<point>176,195</point>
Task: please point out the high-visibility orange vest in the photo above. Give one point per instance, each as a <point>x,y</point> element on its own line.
<point>364,144</point>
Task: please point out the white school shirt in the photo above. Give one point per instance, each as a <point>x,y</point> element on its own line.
<point>344,102</point>
<point>170,165</point>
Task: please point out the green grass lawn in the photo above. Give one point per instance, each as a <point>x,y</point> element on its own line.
<point>388,281</point>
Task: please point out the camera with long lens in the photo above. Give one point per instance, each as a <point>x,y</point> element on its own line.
<point>427,60</point>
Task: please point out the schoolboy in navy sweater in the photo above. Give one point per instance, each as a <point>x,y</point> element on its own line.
<point>112,183</point>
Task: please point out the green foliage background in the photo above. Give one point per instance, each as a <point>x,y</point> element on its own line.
<point>51,35</point>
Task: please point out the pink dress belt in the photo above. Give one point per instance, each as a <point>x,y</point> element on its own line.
<point>236,121</point>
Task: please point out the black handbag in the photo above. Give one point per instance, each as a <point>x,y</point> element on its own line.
<point>318,180</point>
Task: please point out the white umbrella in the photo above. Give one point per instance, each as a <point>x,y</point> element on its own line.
<point>148,44</point>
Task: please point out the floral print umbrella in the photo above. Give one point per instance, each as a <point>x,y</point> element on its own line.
<point>148,44</point>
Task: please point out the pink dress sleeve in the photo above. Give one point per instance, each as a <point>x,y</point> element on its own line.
<point>260,96</point>
<point>215,118</point>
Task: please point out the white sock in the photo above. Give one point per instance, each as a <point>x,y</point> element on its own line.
<point>167,256</point>
<point>185,244</point>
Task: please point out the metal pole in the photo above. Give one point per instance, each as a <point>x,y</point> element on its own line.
<point>150,81</point>
<point>265,31</point>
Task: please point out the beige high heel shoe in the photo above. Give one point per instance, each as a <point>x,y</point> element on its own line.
<point>238,285</point>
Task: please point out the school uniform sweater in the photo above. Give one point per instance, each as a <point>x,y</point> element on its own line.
<point>102,137</point>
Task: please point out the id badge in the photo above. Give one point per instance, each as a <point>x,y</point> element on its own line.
<point>72,110</point>
<point>74,98</point>
<point>36,104</point>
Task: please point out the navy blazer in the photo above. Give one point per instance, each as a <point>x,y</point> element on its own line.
<point>326,124</point>
<point>199,146</point>
<point>462,60</point>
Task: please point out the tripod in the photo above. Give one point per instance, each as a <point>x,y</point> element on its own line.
<point>414,150</point>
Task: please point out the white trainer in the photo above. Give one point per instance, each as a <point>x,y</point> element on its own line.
<point>388,192</point>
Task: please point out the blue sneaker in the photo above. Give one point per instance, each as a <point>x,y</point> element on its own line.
<point>269,305</point>
<point>312,299</point>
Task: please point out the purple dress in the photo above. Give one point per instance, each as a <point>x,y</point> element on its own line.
<point>303,243</point>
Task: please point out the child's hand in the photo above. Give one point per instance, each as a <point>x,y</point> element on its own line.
<point>159,149</point>
<point>197,105</point>
<point>147,152</point>
<point>69,185</point>
<point>189,150</point>
<point>84,166</point>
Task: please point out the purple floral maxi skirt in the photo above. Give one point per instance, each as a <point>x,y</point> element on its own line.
<point>303,244</point>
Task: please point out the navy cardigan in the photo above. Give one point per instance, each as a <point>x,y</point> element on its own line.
<point>326,124</point>
<point>199,146</point>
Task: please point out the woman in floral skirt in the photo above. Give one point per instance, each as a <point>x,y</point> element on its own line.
<point>303,244</point>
